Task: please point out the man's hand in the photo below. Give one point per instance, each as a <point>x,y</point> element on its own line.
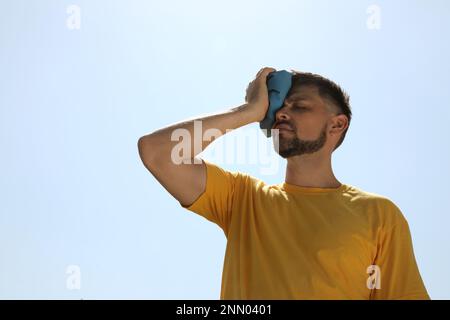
<point>257,96</point>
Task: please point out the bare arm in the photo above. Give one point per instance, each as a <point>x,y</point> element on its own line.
<point>181,173</point>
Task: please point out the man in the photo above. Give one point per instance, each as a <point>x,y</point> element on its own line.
<point>311,237</point>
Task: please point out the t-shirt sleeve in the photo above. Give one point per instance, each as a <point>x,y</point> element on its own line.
<point>399,274</point>
<point>215,203</point>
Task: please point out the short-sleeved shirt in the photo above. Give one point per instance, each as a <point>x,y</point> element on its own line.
<point>292,242</point>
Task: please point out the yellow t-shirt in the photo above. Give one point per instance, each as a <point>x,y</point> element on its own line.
<point>290,242</point>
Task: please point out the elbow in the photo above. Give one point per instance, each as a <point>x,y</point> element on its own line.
<point>145,150</point>
<point>141,144</point>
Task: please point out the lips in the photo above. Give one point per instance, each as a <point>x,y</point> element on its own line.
<point>283,126</point>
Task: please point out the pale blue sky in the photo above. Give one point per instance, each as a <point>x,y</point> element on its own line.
<point>73,104</point>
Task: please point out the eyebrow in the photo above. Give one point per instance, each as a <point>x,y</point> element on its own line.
<point>297,97</point>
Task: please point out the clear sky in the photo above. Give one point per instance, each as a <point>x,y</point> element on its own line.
<point>79,85</point>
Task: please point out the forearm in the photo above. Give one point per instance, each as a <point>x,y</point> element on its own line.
<point>200,132</point>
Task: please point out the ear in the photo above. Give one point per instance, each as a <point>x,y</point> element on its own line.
<point>338,124</point>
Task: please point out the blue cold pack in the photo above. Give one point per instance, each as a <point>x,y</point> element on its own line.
<point>278,85</point>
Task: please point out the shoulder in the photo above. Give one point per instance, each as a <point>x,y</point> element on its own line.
<point>220,174</point>
<point>383,210</point>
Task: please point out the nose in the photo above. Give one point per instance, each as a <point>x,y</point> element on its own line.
<point>281,114</point>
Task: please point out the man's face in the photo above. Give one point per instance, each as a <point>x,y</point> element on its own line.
<point>305,115</point>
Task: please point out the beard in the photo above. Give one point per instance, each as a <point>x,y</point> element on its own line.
<point>293,146</point>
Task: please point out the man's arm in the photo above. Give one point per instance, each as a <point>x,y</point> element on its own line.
<point>186,181</point>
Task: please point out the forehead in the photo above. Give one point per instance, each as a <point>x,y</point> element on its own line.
<point>306,93</point>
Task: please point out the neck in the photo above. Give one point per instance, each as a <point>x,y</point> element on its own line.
<point>311,170</point>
